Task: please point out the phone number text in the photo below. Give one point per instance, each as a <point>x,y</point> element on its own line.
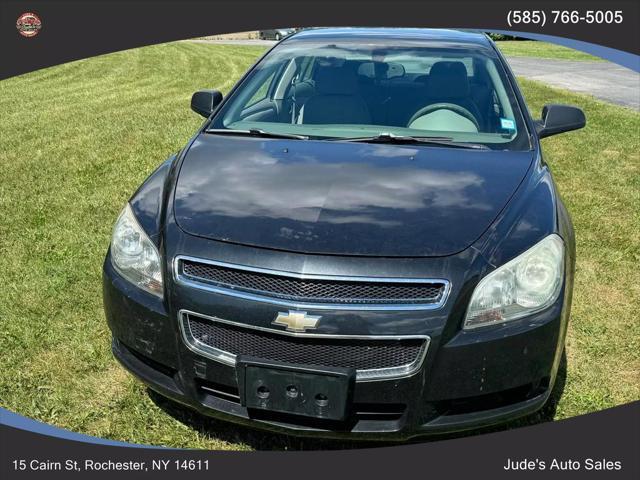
<point>540,17</point>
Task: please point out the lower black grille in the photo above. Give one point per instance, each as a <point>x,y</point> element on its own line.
<point>313,290</point>
<point>360,354</point>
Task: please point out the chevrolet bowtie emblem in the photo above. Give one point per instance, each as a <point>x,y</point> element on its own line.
<point>296,321</point>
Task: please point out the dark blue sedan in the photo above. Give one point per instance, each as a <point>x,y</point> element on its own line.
<point>362,239</point>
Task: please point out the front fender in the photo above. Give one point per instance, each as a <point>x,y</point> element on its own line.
<point>148,200</point>
<point>531,215</point>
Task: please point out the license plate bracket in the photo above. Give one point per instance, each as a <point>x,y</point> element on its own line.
<point>317,392</point>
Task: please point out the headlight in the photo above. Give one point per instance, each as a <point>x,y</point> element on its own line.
<point>527,284</point>
<point>134,256</point>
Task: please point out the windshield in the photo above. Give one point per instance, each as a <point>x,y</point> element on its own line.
<point>354,90</point>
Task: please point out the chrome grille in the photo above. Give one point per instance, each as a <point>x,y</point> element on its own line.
<point>372,357</point>
<point>313,290</point>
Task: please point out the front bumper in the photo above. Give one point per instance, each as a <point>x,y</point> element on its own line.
<point>467,379</point>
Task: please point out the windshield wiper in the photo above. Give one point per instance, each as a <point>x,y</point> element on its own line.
<point>407,140</point>
<point>255,132</point>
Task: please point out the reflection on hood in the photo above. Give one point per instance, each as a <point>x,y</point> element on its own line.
<point>259,187</point>
<point>312,196</point>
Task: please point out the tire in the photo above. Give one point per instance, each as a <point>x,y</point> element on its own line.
<point>278,37</point>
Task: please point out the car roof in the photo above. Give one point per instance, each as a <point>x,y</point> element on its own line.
<point>400,34</point>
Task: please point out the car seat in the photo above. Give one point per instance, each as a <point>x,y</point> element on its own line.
<point>337,99</point>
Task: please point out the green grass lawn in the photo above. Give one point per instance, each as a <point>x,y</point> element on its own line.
<point>77,139</point>
<point>531,48</point>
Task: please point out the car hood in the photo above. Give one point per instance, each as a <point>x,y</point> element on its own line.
<point>343,198</point>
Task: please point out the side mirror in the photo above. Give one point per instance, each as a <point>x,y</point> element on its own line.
<point>558,119</point>
<point>204,102</point>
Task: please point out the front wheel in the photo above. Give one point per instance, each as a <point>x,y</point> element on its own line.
<point>278,37</point>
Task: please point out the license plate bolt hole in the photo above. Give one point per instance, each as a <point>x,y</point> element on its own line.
<point>322,400</point>
<point>263,392</point>
<point>292,391</point>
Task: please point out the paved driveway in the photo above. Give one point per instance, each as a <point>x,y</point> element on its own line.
<point>604,80</point>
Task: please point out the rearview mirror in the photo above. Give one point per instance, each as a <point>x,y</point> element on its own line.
<point>558,119</point>
<point>204,102</point>
<point>381,70</point>
<point>395,70</point>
